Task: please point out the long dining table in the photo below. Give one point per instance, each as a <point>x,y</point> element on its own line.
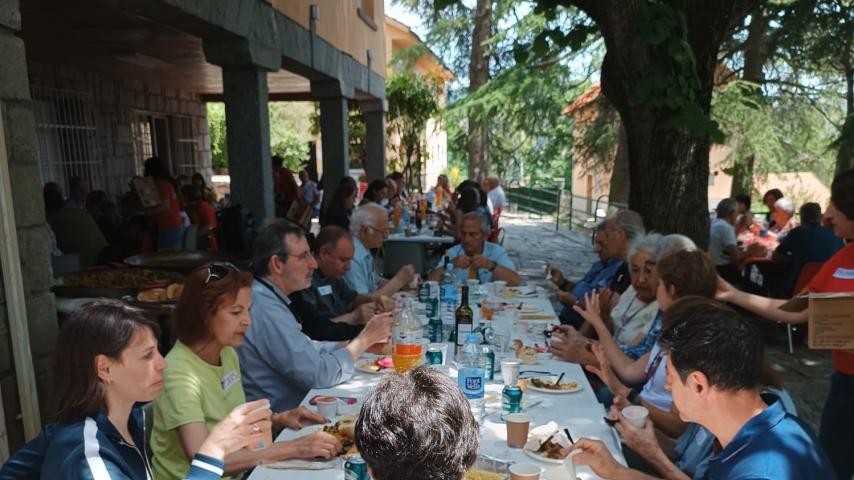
<point>579,411</point>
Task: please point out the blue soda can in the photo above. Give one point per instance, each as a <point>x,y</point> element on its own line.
<point>433,357</point>
<point>511,401</point>
<point>355,468</point>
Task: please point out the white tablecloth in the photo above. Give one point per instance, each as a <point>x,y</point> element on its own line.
<point>427,237</point>
<point>580,411</point>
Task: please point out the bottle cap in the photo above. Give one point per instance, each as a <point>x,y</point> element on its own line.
<point>473,337</point>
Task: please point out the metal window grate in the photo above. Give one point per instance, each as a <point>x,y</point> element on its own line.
<point>185,158</point>
<point>65,126</point>
<point>143,146</point>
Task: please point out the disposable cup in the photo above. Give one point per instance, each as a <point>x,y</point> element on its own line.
<point>327,407</point>
<point>524,471</point>
<point>635,415</point>
<point>517,429</point>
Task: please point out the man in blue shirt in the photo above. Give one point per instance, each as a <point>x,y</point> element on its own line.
<point>474,254</point>
<point>369,226</point>
<point>277,360</point>
<point>811,242</point>
<point>714,366</point>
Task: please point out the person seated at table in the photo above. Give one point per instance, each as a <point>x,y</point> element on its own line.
<point>106,362</point>
<point>202,381</point>
<point>75,230</point>
<point>809,242</point>
<point>745,219</point>
<point>377,193</point>
<point>417,425</point>
<point>495,193</point>
<point>277,360</point>
<point>679,275</point>
<point>465,200</point>
<point>769,199</point>
<point>399,183</point>
<point>340,206</point>
<point>329,309</point>
<point>483,260</point>
<point>784,217</point>
<point>723,246</point>
<point>369,226</point>
<point>714,366</point>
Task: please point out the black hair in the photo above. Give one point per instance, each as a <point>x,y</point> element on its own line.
<point>374,188</point>
<point>810,213</point>
<point>395,176</point>
<point>52,200</point>
<point>743,199</point>
<point>711,338</point>
<point>417,425</point>
<point>270,241</point>
<point>842,193</point>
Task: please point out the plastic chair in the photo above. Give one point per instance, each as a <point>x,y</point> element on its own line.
<point>494,234</point>
<point>809,270</point>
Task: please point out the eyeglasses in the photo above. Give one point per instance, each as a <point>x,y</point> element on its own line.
<point>218,270</point>
<point>303,257</point>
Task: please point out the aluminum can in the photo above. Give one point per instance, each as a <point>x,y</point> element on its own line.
<point>355,468</point>
<point>511,401</point>
<point>428,294</point>
<point>433,357</point>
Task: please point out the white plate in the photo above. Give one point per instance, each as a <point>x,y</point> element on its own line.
<point>542,458</point>
<point>361,366</point>
<point>578,386</point>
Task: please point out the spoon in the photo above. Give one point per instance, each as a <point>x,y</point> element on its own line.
<point>560,378</point>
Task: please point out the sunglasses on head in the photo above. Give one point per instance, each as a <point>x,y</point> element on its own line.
<point>218,270</point>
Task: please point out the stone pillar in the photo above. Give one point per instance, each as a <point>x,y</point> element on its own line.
<point>335,142</point>
<point>247,121</point>
<point>33,238</point>
<point>375,161</point>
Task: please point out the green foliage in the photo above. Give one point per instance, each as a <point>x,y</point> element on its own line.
<point>216,129</point>
<point>356,129</point>
<point>411,103</point>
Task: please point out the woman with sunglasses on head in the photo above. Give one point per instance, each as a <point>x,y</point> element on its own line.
<point>202,380</point>
<point>107,361</point>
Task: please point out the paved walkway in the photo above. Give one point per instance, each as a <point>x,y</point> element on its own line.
<point>532,241</point>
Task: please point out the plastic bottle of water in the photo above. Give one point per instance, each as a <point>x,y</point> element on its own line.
<point>471,375</point>
<point>448,294</point>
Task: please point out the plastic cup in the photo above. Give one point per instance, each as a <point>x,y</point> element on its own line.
<point>524,471</point>
<point>635,415</point>
<point>266,434</point>
<point>327,407</point>
<point>510,371</point>
<point>442,347</point>
<point>517,431</point>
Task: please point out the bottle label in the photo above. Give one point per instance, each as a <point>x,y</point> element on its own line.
<point>463,331</point>
<point>471,382</point>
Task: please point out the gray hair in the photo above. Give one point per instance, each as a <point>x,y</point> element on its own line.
<point>726,207</point>
<point>785,205</point>
<point>670,244</point>
<point>269,242</point>
<point>630,222</point>
<point>365,215</point>
<point>644,243</point>
<point>480,218</point>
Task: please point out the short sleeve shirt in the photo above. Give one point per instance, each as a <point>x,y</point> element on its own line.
<point>171,217</point>
<point>491,251</point>
<point>721,236</point>
<point>837,275</point>
<point>193,391</point>
<point>362,276</point>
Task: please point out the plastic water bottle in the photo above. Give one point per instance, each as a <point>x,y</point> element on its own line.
<point>471,375</point>
<point>448,294</point>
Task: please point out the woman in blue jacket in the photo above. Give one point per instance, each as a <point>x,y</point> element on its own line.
<point>106,362</point>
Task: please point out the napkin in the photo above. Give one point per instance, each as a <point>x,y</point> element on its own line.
<point>540,434</point>
<point>335,463</point>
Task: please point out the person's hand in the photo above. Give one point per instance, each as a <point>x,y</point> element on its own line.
<point>607,301</point>
<point>405,275</point>
<point>618,403</point>
<point>641,440</point>
<point>595,455</point>
<point>757,250</point>
<point>366,311</point>
<point>555,275</point>
<point>591,311</point>
<point>378,328</point>
<point>725,290</point>
<point>294,418</point>
<point>385,304</point>
<point>316,445</point>
<point>604,371</point>
<point>462,261</point>
<point>569,345</point>
<point>245,425</point>
<point>479,261</point>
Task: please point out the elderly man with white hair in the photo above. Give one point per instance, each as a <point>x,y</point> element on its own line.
<point>496,194</point>
<point>723,247</point>
<point>369,226</point>
<point>784,217</point>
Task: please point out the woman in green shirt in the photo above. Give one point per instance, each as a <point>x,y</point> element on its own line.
<point>202,379</point>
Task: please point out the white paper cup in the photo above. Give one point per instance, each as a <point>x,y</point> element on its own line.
<point>635,415</point>
<point>510,371</point>
<point>327,407</point>
<point>500,285</point>
<point>524,471</point>
<point>569,465</point>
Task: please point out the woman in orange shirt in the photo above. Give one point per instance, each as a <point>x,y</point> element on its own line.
<point>201,213</point>
<point>836,275</point>
<point>168,214</point>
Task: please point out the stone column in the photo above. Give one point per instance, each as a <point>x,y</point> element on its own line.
<point>334,132</point>
<point>247,121</point>
<point>375,161</point>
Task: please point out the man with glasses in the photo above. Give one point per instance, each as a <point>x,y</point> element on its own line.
<point>329,309</point>
<point>277,360</point>
<point>369,226</point>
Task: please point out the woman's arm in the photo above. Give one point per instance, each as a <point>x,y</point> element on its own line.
<point>768,308</point>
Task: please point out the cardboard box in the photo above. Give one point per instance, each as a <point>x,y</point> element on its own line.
<point>831,319</point>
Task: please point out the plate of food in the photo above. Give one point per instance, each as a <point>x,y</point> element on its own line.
<point>344,431</point>
<point>484,475</point>
<point>547,449</point>
<point>170,293</point>
<point>548,384</point>
<point>375,365</point>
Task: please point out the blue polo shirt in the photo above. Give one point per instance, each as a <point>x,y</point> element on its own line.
<point>492,251</point>
<point>773,445</point>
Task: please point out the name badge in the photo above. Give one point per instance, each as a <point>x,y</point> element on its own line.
<point>844,273</point>
<point>228,381</point>
<point>325,290</point>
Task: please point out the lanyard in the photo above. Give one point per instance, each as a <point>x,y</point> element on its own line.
<point>623,320</point>
<point>275,292</point>
<point>653,366</point>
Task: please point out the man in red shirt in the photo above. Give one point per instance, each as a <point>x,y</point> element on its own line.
<point>836,275</point>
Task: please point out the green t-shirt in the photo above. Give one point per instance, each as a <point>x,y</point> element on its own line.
<point>193,391</point>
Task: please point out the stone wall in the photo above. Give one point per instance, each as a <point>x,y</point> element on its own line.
<point>23,162</point>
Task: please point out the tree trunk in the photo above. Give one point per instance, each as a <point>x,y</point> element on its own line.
<point>845,153</point>
<point>619,191</point>
<point>755,56</point>
<point>668,167</point>
<point>478,133</point>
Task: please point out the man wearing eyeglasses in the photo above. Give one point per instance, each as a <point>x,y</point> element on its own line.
<point>369,225</point>
<point>277,360</point>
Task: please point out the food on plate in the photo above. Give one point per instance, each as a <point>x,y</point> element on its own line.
<point>174,291</point>
<point>379,365</point>
<point>121,278</point>
<point>526,355</point>
<point>344,431</point>
<point>550,449</point>
<point>152,295</point>
<point>551,385</point>
<point>483,475</point>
